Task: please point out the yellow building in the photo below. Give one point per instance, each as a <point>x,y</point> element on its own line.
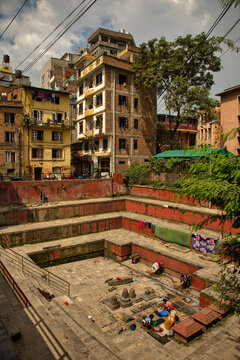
<point>46,132</point>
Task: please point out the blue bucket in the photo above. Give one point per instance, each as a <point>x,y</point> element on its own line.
<point>163,313</point>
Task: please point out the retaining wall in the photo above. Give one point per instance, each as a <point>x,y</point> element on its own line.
<point>29,192</point>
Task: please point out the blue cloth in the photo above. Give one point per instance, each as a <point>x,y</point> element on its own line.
<point>204,244</point>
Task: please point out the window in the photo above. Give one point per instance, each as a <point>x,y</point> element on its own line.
<point>59,117</point>
<point>89,124</point>
<point>98,78</point>
<point>98,100</point>
<point>37,115</point>
<point>55,99</point>
<point>135,144</point>
<point>122,144</point>
<point>49,73</point>
<point>57,136</point>
<point>56,170</point>
<point>135,123</point>
<point>121,162</point>
<point>80,146</point>
<point>37,153</point>
<point>80,108</point>
<point>135,103</point>
<point>96,145</point>
<point>81,127</point>
<point>42,79</point>
<point>123,122</point>
<point>9,136</point>
<point>56,153</point>
<point>86,146</point>
<point>9,156</point>
<point>122,79</point>
<point>80,89</point>
<point>122,100</point>
<point>9,118</point>
<point>37,135</point>
<point>99,121</point>
<point>105,144</point>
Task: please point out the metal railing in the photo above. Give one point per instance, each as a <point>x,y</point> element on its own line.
<point>31,269</point>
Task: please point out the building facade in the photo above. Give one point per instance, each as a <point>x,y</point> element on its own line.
<point>209,132</point>
<point>116,121</point>
<point>230,117</point>
<point>185,135</point>
<point>11,138</point>
<point>46,132</point>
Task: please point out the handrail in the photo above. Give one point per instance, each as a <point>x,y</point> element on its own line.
<point>29,267</point>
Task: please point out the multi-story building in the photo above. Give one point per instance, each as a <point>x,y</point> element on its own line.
<point>11,139</point>
<point>8,78</point>
<point>60,75</point>
<point>209,132</point>
<point>46,131</point>
<point>184,136</point>
<point>230,117</point>
<point>116,121</point>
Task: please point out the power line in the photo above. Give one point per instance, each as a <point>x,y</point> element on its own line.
<point>49,34</point>
<point>231,28</point>
<point>13,18</point>
<point>61,33</point>
<point>216,22</point>
<point>235,41</point>
<point>57,37</point>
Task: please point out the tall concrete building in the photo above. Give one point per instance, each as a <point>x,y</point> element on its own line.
<point>230,116</point>
<point>116,121</point>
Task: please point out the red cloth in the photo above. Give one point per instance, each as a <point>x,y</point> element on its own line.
<point>140,226</point>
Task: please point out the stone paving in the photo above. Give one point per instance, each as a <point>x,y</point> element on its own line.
<point>70,334</point>
<point>87,328</point>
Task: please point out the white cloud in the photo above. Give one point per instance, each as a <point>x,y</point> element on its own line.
<point>143,19</point>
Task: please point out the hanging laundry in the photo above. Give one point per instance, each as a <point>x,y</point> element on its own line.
<point>153,228</point>
<point>140,225</point>
<point>144,224</point>
<point>149,225</point>
<point>204,244</point>
<point>165,206</point>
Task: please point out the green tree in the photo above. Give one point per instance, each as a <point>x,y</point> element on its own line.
<point>181,72</point>
<point>217,180</point>
<point>229,2</point>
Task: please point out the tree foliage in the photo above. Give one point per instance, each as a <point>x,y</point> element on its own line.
<point>216,179</point>
<point>182,72</point>
<point>228,285</point>
<point>229,2</point>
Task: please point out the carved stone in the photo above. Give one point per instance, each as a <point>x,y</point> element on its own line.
<point>132,294</point>
<point>125,300</point>
<point>114,304</point>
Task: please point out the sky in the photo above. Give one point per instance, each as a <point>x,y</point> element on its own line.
<point>144,19</point>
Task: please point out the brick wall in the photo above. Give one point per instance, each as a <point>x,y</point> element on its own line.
<point>29,192</point>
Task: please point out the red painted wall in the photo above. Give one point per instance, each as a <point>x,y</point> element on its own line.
<point>29,192</point>
<point>187,217</point>
<point>162,194</point>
